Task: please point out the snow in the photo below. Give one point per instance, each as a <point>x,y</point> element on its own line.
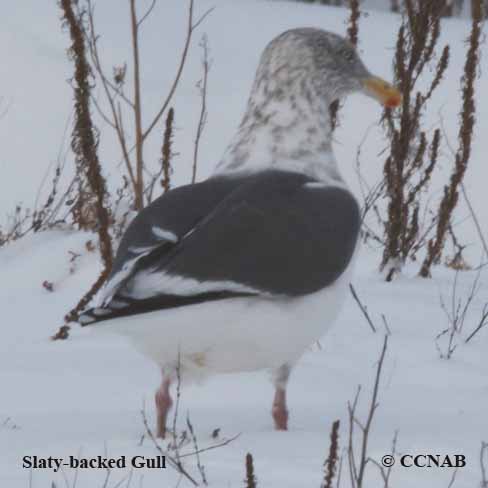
<point>84,395</point>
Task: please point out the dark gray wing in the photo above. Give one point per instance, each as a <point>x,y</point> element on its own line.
<point>168,218</point>
<point>275,234</point>
<point>279,233</point>
<point>160,226</point>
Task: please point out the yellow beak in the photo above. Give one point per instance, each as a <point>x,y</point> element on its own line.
<point>381,90</point>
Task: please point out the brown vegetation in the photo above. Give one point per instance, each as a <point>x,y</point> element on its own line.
<point>90,211</point>
<point>463,153</point>
<point>352,34</point>
<point>250,480</point>
<point>412,156</point>
<point>330,464</point>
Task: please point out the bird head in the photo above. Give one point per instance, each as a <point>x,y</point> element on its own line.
<point>329,63</point>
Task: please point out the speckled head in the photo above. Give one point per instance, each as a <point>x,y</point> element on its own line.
<point>329,61</point>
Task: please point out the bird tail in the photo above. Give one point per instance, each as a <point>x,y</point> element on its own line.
<point>117,307</point>
<point>124,306</point>
<point>96,314</point>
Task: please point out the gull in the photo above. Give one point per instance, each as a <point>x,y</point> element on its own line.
<point>245,270</point>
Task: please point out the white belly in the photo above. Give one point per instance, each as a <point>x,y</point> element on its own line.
<point>237,334</point>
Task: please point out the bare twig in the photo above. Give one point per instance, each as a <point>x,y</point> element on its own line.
<point>351,410</point>
<point>175,460</point>
<point>370,195</point>
<point>177,408</point>
<point>386,473</point>
<point>357,467</point>
<point>475,219</point>
<point>47,215</point>
<point>201,468</point>
<point>191,26</point>
<point>352,34</point>
<point>139,184</point>
<point>385,323</point>
<point>202,85</point>
<point>363,309</point>
<point>373,407</point>
<point>339,471</point>
<point>174,463</point>
<point>109,89</point>
<point>482,323</point>
<point>210,448</point>
<point>114,91</point>
<point>456,313</point>
<point>453,478</point>
<point>146,15</point>
<point>484,478</point>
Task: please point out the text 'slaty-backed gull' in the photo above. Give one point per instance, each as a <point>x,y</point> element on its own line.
<point>246,269</point>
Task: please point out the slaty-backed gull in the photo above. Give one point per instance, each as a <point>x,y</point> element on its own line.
<point>244,270</point>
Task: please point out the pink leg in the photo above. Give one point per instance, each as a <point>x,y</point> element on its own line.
<point>279,410</point>
<point>163,406</point>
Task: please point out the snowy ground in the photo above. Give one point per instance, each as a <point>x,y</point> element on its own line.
<point>85,395</point>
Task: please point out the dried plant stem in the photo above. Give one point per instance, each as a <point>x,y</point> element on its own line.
<point>191,26</point>
<point>465,195</point>
<point>482,323</point>
<point>453,478</point>
<point>201,468</point>
<point>177,410</point>
<point>353,29</point>
<point>386,473</point>
<point>373,407</point>
<point>250,480</point>
<point>84,145</point>
<point>166,151</point>
<point>203,110</point>
<point>165,168</point>
<point>210,448</point>
<point>352,34</point>
<point>139,183</point>
<point>484,478</point>
<point>174,463</point>
<point>456,310</point>
<point>451,191</point>
<point>331,461</point>
<point>357,467</point>
<point>412,156</point>
<point>114,93</point>
<point>363,308</point>
<point>475,219</point>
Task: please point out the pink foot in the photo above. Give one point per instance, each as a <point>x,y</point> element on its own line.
<point>163,406</point>
<point>279,411</point>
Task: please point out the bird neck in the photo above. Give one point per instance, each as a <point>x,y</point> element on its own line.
<point>286,126</point>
